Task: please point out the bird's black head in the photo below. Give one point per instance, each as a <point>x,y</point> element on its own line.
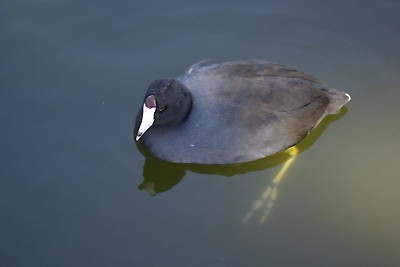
<point>166,102</point>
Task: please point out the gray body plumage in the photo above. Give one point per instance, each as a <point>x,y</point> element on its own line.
<point>243,111</point>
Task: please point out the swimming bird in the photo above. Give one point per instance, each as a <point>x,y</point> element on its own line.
<point>232,112</point>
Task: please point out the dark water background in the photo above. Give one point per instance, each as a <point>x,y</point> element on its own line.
<point>72,76</point>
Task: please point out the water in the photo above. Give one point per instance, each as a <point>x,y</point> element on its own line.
<point>72,76</point>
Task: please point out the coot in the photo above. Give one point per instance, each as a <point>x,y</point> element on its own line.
<point>232,112</point>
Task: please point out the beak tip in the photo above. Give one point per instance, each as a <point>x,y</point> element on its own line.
<point>138,136</point>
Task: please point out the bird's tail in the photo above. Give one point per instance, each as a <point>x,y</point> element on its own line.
<point>337,100</point>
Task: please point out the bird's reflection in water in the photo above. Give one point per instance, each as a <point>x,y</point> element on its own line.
<point>160,176</point>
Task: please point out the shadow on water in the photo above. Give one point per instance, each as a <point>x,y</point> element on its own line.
<point>160,175</point>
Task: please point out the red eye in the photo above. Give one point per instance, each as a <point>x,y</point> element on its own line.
<point>150,102</point>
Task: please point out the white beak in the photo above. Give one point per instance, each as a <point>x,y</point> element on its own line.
<point>147,121</point>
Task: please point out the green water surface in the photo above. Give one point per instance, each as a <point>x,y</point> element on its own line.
<point>75,190</point>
